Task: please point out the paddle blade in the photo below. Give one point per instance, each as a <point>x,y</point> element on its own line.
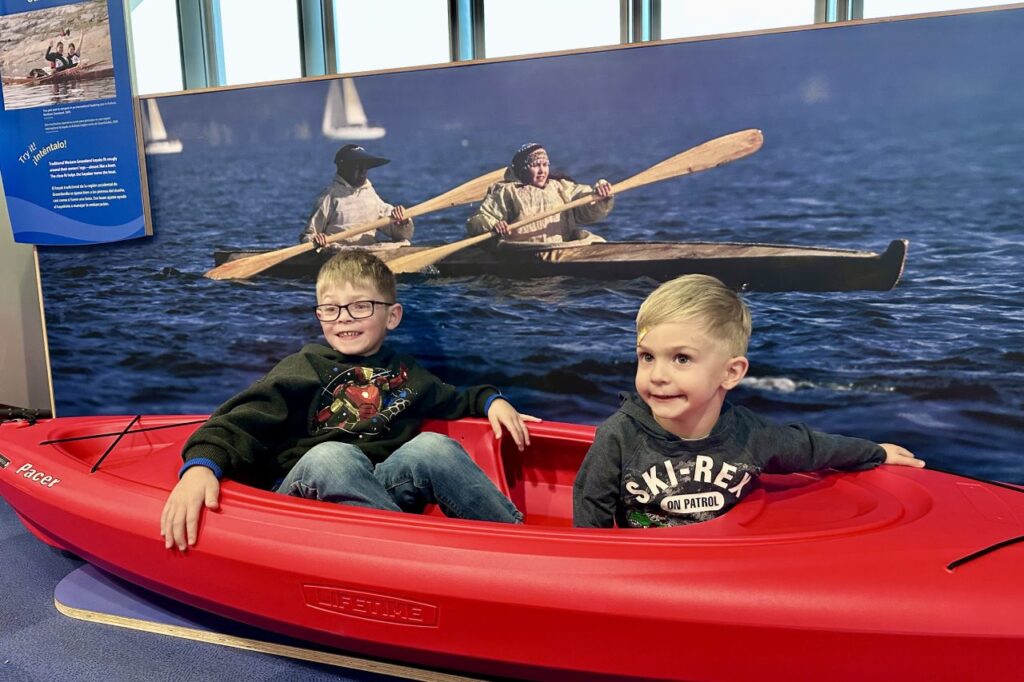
<point>244,268</point>
<point>466,193</point>
<point>712,153</point>
<point>417,261</point>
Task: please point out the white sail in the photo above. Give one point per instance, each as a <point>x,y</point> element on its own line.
<point>156,121</point>
<point>154,133</point>
<point>344,117</point>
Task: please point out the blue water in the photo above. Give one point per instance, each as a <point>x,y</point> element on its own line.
<point>936,365</point>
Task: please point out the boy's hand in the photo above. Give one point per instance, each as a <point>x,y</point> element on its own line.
<point>179,522</point>
<point>895,454</point>
<point>501,413</point>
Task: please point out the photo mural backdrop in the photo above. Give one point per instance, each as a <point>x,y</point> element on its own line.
<point>907,129</point>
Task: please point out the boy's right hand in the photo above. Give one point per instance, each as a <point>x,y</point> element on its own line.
<point>897,454</point>
<point>179,522</point>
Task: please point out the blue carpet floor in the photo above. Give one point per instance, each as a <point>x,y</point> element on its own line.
<point>39,644</point>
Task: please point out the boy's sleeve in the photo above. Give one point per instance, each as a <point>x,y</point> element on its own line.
<point>797,447</point>
<point>444,401</point>
<point>251,425</point>
<point>595,493</point>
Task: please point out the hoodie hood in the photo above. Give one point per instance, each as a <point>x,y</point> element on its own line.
<point>636,409</point>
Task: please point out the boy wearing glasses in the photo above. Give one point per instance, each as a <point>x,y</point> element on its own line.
<point>341,422</point>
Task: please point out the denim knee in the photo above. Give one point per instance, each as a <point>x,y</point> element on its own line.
<point>324,471</point>
<point>333,459</point>
<point>433,455</point>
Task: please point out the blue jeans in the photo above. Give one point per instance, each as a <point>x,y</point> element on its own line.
<point>429,469</point>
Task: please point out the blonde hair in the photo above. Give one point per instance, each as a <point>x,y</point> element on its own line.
<point>704,298</point>
<point>353,266</point>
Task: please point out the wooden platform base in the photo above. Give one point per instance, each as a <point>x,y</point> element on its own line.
<point>89,594</point>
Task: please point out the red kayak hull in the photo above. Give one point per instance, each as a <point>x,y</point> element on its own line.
<point>845,576</point>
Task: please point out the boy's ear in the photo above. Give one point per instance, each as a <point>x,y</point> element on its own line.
<point>394,316</point>
<point>735,369</point>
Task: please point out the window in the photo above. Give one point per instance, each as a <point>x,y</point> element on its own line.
<point>527,26</point>
<point>387,34</point>
<point>259,41</point>
<point>694,18</point>
<point>889,8</point>
<point>155,50</point>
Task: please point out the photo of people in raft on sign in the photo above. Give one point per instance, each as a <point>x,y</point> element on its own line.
<point>56,55</point>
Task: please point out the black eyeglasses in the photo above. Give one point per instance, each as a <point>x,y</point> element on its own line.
<point>357,310</point>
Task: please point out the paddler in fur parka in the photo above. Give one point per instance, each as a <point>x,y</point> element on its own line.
<point>528,189</point>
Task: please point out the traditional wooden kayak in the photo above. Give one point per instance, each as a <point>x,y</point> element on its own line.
<point>893,573</point>
<point>74,73</point>
<point>748,267</point>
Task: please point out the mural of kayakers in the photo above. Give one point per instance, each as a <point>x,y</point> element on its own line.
<point>797,166</point>
<point>56,55</point>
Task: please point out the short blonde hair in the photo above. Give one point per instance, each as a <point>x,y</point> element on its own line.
<point>701,297</point>
<point>353,266</point>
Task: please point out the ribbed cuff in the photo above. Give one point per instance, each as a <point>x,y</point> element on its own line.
<point>487,403</point>
<point>201,461</point>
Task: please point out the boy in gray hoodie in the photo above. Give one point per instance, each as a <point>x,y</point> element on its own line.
<point>676,452</point>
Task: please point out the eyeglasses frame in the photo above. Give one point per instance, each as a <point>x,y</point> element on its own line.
<point>373,311</point>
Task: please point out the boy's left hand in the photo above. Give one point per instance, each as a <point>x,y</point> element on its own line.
<point>501,413</point>
<point>895,454</point>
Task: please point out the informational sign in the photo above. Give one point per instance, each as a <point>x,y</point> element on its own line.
<point>69,155</point>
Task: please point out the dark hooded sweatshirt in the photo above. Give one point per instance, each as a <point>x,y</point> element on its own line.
<point>637,474</point>
<point>377,403</point>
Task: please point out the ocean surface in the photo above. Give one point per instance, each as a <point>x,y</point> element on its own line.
<point>936,365</point>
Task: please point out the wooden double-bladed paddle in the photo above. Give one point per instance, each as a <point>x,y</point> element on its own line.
<point>474,190</point>
<point>716,152</point>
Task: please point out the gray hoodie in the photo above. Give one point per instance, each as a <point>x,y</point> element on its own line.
<point>637,474</point>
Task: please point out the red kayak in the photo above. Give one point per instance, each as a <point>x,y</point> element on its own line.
<point>893,573</point>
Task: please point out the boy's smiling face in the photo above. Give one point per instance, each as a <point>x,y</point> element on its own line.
<point>683,374</point>
<point>358,337</point>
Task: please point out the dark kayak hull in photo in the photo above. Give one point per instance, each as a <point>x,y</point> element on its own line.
<point>891,573</point>
<point>743,266</point>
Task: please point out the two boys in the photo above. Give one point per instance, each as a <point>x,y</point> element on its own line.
<point>340,423</point>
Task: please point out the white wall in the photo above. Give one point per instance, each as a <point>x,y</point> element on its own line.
<point>24,361</point>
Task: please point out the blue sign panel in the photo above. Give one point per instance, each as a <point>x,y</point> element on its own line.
<point>69,155</point>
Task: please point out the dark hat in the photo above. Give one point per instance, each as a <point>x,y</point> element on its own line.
<point>353,153</point>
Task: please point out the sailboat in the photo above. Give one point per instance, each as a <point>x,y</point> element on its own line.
<point>154,133</point>
<point>344,118</point>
